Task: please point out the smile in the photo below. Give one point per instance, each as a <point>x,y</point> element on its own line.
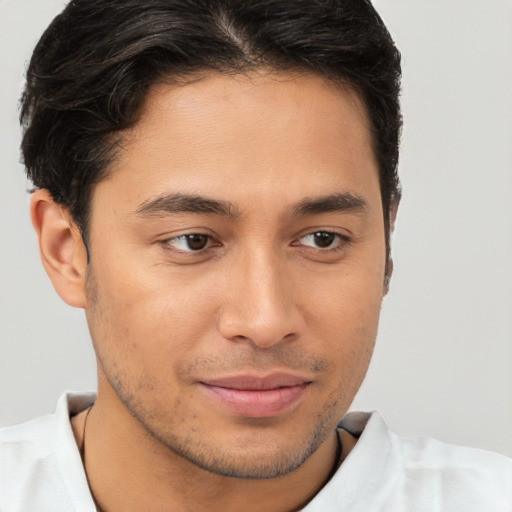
<point>257,397</point>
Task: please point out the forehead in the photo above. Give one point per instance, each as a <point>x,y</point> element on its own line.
<point>263,132</point>
<point>251,99</point>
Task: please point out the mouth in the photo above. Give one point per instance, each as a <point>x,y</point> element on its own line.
<point>257,397</point>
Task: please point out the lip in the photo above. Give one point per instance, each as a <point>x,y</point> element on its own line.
<point>255,396</point>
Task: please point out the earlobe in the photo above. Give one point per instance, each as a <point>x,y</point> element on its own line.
<point>61,248</point>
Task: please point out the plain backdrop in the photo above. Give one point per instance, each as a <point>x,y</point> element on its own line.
<point>443,362</point>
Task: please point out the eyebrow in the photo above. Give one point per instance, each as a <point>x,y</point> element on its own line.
<point>184,203</point>
<point>333,203</point>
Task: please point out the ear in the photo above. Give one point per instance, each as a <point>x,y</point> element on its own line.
<point>62,250</point>
<point>393,210</point>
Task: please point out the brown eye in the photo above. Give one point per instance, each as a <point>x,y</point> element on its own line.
<point>196,242</point>
<point>321,240</point>
<point>189,243</point>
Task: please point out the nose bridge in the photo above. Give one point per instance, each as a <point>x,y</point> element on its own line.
<point>267,293</point>
<point>262,307</point>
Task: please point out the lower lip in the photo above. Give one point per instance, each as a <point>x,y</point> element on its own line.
<point>257,403</point>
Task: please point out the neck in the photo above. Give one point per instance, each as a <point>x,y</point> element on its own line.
<point>125,465</point>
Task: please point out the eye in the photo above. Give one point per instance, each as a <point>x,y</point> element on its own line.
<point>193,242</point>
<point>323,240</point>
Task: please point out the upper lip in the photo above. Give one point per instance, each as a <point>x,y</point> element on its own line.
<point>257,383</point>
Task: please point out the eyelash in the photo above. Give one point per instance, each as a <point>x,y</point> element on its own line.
<point>167,243</point>
<point>343,240</point>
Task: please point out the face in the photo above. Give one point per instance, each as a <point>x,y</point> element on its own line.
<point>237,268</point>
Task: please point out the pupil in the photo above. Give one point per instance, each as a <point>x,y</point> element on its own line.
<point>323,239</point>
<point>197,242</point>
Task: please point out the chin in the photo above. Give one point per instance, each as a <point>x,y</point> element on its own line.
<point>250,466</point>
<point>249,453</point>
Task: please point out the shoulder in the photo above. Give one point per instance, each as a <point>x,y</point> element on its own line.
<point>387,472</point>
<point>454,477</point>
<point>40,466</point>
<point>433,475</point>
<point>26,438</point>
<point>25,447</point>
<point>27,460</point>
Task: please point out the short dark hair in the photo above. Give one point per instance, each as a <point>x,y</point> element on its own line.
<point>91,70</point>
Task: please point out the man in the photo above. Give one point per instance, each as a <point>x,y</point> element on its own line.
<point>215,185</point>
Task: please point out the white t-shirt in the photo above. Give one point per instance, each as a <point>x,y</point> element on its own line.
<point>41,470</point>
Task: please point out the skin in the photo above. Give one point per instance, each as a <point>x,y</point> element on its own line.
<point>262,296</point>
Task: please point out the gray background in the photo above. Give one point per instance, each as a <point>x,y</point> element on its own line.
<point>443,362</point>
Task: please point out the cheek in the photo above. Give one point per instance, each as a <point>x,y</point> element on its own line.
<point>346,301</point>
<point>345,320</point>
<point>146,319</point>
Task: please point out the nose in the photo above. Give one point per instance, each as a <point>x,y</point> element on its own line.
<point>261,303</point>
